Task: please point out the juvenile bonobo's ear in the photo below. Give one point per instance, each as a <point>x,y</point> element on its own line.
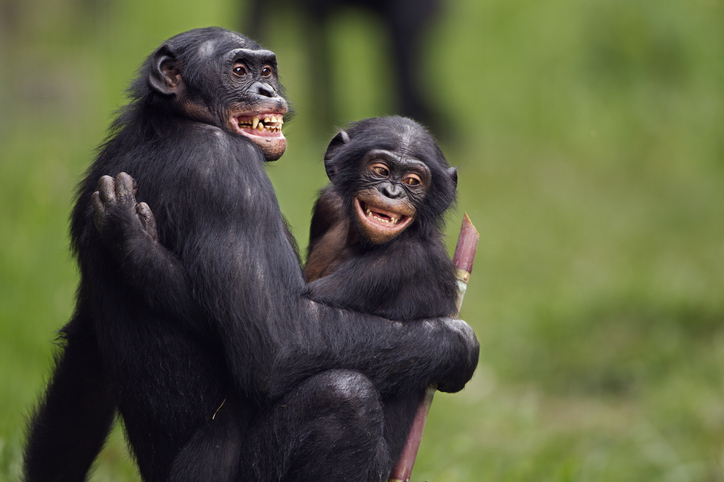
<point>453,173</point>
<point>447,196</point>
<point>165,75</point>
<point>338,141</point>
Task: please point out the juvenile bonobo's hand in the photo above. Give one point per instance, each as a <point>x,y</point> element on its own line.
<point>466,350</point>
<point>117,214</point>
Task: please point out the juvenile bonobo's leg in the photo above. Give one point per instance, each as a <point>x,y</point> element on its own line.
<point>329,428</point>
<point>400,411</point>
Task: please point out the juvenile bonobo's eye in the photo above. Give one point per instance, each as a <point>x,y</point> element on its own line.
<point>240,70</point>
<point>267,71</point>
<point>380,169</point>
<point>412,180</point>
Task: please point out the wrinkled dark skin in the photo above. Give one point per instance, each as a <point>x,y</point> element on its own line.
<point>190,320</point>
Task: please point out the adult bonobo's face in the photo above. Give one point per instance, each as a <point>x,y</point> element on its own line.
<point>223,78</point>
<point>255,109</point>
<point>391,189</point>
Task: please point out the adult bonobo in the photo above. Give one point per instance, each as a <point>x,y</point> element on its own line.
<point>375,241</point>
<point>193,324</point>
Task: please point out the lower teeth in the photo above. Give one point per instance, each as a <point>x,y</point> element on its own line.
<point>387,221</point>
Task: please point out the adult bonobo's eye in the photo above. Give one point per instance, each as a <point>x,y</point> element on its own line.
<point>380,169</point>
<point>240,70</point>
<point>267,71</point>
<point>412,180</point>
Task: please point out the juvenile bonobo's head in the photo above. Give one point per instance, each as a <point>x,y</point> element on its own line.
<point>392,177</point>
<point>221,78</point>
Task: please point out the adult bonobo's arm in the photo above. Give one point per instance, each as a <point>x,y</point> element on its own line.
<point>274,337</point>
<point>129,230</point>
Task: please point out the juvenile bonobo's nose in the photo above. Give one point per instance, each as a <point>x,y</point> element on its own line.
<point>392,191</point>
<point>262,89</point>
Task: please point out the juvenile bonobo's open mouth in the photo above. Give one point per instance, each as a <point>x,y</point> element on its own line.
<point>381,224</point>
<point>265,130</point>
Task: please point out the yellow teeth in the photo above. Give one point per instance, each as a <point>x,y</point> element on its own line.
<point>271,123</point>
<point>392,220</point>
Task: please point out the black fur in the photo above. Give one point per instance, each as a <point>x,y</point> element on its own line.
<point>166,329</point>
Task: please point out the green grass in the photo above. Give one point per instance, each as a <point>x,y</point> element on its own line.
<point>588,140</point>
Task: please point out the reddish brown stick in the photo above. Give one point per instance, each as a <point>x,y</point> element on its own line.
<point>463,261</point>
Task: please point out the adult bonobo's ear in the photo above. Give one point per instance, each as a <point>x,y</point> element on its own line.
<point>165,75</point>
<point>335,144</point>
<point>453,173</point>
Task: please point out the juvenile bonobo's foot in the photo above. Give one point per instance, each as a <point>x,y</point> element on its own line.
<point>116,208</point>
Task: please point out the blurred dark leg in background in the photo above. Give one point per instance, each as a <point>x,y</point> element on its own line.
<point>406,23</point>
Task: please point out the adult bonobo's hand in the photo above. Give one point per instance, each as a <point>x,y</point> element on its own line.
<point>117,214</point>
<point>465,353</point>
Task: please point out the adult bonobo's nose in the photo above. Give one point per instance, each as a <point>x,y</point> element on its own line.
<point>263,89</point>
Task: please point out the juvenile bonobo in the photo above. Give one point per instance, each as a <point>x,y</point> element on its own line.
<point>375,240</point>
<point>192,323</point>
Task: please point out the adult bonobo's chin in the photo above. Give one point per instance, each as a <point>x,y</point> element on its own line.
<point>190,319</point>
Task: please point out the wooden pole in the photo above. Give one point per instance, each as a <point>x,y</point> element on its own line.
<point>463,261</point>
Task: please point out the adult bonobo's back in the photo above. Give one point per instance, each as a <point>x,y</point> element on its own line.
<point>191,322</point>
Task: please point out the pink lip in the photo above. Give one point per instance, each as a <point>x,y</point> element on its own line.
<point>376,218</point>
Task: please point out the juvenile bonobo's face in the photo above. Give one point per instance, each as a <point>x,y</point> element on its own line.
<point>392,178</point>
<point>392,189</point>
<point>222,78</point>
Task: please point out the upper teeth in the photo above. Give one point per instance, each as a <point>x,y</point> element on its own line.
<point>271,123</point>
<point>392,220</point>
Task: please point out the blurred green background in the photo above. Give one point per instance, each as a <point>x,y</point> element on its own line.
<point>588,136</point>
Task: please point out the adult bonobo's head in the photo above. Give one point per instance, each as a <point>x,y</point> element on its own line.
<point>221,78</point>
<point>392,177</point>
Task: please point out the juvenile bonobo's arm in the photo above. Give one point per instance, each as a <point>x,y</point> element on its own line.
<point>129,230</point>
<point>328,236</point>
<point>273,337</point>
<point>327,213</point>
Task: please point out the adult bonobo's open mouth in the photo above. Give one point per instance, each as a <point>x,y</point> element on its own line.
<point>264,129</point>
